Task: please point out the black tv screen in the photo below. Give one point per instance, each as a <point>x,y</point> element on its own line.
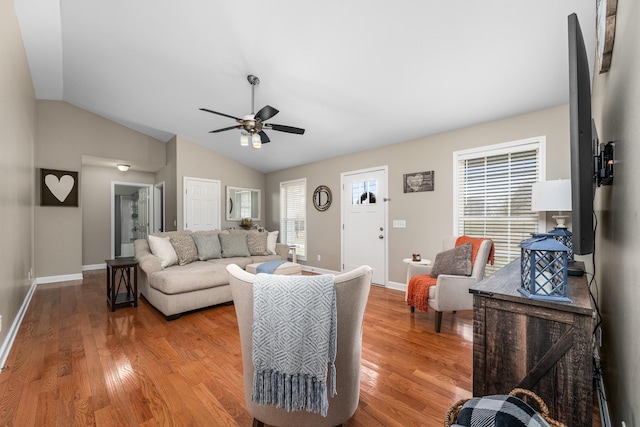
<point>582,144</point>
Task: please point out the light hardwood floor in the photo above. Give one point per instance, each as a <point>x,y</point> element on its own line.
<point>74,362</point>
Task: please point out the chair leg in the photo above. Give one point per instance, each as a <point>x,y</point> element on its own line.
<point>438,321</point>
<point>257,423</point>
<point>413,309</point>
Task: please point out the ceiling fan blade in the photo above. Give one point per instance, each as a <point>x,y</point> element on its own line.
<point>266,113</point>
<point>263,137</point>
<point>221,114</point>
<point>283,128</point>
<point>223,129</point>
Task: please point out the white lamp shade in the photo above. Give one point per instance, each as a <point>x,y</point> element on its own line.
<point>256,141</point>
<point>244,139</point>
<point>551,196</point>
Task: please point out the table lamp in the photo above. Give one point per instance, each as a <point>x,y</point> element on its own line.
<point>555,196</point>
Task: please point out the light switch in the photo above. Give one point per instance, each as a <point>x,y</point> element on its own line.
<point>399,223</point>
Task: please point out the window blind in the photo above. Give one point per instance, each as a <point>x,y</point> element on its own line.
<point>493,197</point>
<point>293,215</point>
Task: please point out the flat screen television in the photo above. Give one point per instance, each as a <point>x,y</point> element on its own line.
<point>582,144</point>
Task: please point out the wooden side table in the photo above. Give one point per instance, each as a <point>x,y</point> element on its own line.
<point>125,266</point>
<point>543,346</point>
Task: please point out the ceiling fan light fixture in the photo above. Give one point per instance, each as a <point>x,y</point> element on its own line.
<point>244,139</point>
<point>256,141</point>
<point>122,167</point>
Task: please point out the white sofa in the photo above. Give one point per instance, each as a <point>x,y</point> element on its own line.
<point>177,289</point>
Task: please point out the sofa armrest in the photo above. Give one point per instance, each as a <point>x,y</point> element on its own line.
<point>282,249</point>
<point>148,262</point>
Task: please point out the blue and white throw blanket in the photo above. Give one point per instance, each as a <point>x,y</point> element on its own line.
<point>269,267</point>
<point>294,341</point>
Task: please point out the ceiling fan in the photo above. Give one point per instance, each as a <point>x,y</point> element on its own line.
<point>252,125</point>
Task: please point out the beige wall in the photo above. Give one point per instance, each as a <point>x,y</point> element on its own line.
<point>97,208</point>
<point>196,161</point>
<point>428,214</point>
<point>616,109</point>
<point>167,176</point>
<point>17,179</point>
<point>64,134</point>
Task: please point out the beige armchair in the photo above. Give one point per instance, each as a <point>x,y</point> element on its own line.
<point>451,293</point>
<point>352,291</point>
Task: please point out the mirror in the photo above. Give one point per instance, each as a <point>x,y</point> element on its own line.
<point>243,203</point>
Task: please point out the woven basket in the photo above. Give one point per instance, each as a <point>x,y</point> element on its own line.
<point>543,410</point>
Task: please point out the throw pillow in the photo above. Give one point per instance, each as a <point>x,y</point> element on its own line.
<point>272,239</point>
<point>208,246</point>
<point>163,249</point>
<point>456,261</point>
<point>234,245</point>
<point>257,243</point>
<point>185,248</point>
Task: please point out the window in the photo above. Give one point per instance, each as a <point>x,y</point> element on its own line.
<point>293,215</point>
<point>492,195</point>
<point>364,192</point>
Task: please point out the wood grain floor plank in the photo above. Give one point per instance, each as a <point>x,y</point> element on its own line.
<point>74,362</point>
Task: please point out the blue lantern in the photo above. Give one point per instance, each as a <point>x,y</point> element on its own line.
<point>564,236</point>
<point>543,268</point>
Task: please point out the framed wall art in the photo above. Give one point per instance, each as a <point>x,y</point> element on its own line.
<point>605,31</point>
<point>58,188</point>
<point>418,181</point>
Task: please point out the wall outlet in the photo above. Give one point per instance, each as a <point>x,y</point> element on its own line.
<point>318,257</point>
<point>0,322</point>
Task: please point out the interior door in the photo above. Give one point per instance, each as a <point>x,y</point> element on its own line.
<point>201,204</point>
<point>364,221</point>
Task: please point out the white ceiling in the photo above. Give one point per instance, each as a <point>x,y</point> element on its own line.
<point>356,74</point>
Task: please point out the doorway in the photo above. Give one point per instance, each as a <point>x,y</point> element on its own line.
<point>201,204</point>
<point>132,217</point>
<point>364,221</point>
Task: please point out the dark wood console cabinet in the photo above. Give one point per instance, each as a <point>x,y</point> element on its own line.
<point>542,346</point>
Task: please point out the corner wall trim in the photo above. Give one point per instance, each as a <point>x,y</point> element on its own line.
<point>5,346</point>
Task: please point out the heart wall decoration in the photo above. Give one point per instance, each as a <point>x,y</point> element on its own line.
<point>58,188</point>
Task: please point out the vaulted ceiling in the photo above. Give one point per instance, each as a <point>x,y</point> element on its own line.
<point>356,74</point>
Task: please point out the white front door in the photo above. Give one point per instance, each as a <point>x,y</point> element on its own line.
<point>201,204</point>
<point>364,225</point>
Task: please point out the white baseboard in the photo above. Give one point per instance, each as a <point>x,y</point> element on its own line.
<point>397,286</point>
<point>62,278</point>
<point>318,270</point>
<point>94,267</point>
<point>5,347</point>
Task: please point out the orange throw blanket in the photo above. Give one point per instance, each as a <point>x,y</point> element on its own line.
<point>418,289</point>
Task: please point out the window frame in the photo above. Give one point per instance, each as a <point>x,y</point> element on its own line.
<point>301,245</point>
<point>536,143</point>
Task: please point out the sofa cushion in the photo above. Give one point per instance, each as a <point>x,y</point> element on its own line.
<point>187,278</point>
<point>185,248</point>
<point>163,249</point>
<point>272,239</point>
<point>257,243</point>
<point>241,262</point>
<point>234,245</point>
<point>208,246</point>
<point>456,261</point>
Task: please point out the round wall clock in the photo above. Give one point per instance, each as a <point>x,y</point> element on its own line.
<point>322,198</point>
